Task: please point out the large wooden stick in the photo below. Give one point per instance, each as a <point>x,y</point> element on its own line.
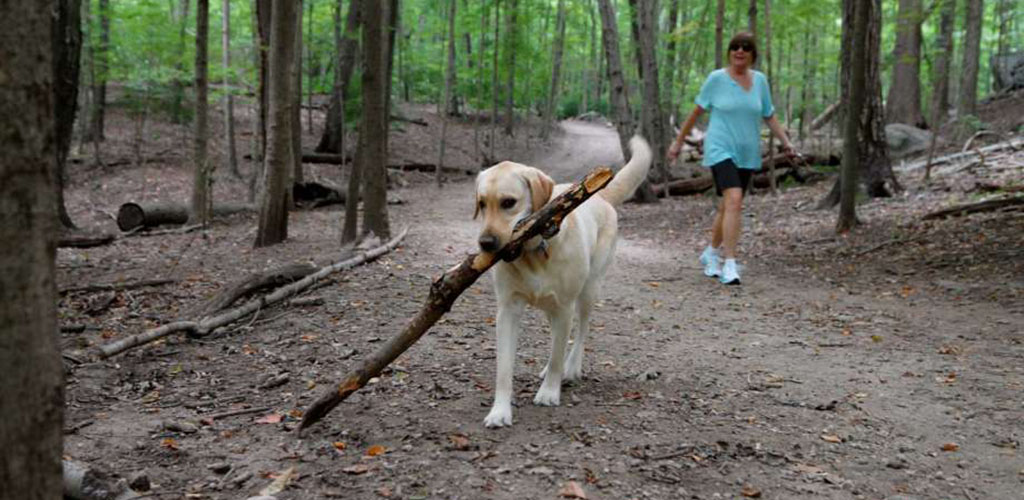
<point>972,208</point>
<point>451,284</point>
<point>208,324</point>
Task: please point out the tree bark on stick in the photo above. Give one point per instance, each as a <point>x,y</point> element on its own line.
<point>206,325</point>
<point>451,284</point>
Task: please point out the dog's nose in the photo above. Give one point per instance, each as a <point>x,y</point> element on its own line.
<point>488,242</point>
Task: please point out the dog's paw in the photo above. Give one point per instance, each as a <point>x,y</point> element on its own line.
<point>572,373</point>
<point>548,397</point>
<point>498,417</point>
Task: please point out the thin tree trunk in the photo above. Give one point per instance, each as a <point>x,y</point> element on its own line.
<point>616,80</point>
<point>942,58</point>
<point>903,104</point>
<point>484,15</point>
<point>651,112</point>
<point>752,18</point>
<point>101,61</point>
<point>229,99</point>
<point>556,71</point>
<point>202,185</point>
<point>510,68</point>
<point>968,102</point>
<point>719,21</point>
<point>31,395</point>
<point>768,66</point>
<point>273,220</point>
<point>495,97</point>
<point>296,73</point>
<point>310,66</point>
<point>449,81</point>
<point>178,83</point>
<point>330,141</point>
<point>670,58</point>
<point>851,143</point>
<point>374,150</point>
<point>67,47</point>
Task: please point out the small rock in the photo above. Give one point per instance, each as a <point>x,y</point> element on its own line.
<point>139,481</point>
<point>650,374</point>
<point>182,427</point>
<point>219,467</point>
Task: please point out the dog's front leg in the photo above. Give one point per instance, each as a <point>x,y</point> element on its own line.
<point>551,388</point>
<point>510,314</point>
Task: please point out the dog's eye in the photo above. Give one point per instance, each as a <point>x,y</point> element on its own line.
<point>507,203</point>
<point>482,204</point>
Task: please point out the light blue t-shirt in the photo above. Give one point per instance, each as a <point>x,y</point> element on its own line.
<point>736,115</point>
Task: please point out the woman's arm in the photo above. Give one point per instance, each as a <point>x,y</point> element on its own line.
<point>673,151</point>
<point>780,132</point>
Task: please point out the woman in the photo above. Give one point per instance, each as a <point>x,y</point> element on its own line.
<point>738,99</point>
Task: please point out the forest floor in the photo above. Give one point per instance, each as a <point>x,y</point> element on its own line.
<point>884,364</point>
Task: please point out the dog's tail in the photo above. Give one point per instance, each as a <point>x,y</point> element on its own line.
<point>630,176</point>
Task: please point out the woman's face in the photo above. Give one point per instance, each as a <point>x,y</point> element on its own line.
<point>741,54</point>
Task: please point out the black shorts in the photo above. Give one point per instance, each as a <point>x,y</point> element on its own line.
<point>728,175</point>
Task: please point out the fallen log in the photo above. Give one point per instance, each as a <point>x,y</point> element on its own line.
<point>274,278</point>
<point>82,482</point>
<point>336,159</point>
<point>1015,144</point>
<point>134,216</point>
<point>451,284</point>
<point>684,187</point>
<point>76,239</point>
<point>206,325</point>
<point>314,194</point>
<point>973,208</point>
<point>825,116</point>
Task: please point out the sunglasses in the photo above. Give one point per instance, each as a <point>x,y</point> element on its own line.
<point>746,46</point>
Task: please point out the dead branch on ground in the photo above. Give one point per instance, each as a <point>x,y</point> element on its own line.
<point>206,325</point>
<point>972,208</point>
<point>125,285</point>
<point>451,284</point>
<point>288,273</point>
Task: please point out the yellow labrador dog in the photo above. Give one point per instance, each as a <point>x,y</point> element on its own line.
<point>560,276</point>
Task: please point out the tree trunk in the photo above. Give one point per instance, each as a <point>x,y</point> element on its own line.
<point>449,82</point>
<point>264,10</point>
<point>177,83</point>
<point>667,87</point>
<point>768,67</point>
<point>651,113</point>
<point>101,64</point>
<point>277,181</point>
<point>495,96</point>
<point>942,58</point>
<point>31,395</point>
<point>202,185</point>
<point>229,98</point>
<point>617,83</point>
<point>67,47</point>
<point>374,151</point>
<point>903,104</point>
<point>296,110</point>
<point>875,169</point>
<point>510,67</point>
<point>556,71</point>
<point>330,141</point>
<point>972,54</point>
<point>719,22</point>
<point>851,143</point>
<point>752,18</point>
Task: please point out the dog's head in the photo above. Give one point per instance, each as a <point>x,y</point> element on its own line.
<point>505,194</point>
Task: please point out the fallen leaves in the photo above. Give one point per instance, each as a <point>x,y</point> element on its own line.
<point>356,469</point>
<point>376,450</point>
<point>750,492</point>
<point>169,443</point>
<point>949,350</point>
<point>950,447</point>
<point>273,418</point>
<point>948,379</point>
<point>280,482</point>
<point>572,489</point>
<point>831,438</point>
<point>339,445</point>
<point>633,395</point>
<point>459,442</point>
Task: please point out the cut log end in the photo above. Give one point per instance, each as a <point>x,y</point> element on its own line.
<point>130,216</point>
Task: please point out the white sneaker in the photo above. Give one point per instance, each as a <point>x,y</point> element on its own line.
<point>711,262</point>
<point>730,273</point>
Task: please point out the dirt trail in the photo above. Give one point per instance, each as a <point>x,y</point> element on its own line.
<point>798,384</point>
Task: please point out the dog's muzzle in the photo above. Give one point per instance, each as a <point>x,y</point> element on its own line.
<point>488,243</point>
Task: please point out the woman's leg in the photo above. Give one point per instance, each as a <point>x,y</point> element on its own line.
<point>716,226</point>
<point>730,213</point>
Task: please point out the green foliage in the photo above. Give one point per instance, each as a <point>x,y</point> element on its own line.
<point>148,53</point>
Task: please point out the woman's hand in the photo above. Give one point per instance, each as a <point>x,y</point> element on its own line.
<point>673,151</point>
<point>789,150</point>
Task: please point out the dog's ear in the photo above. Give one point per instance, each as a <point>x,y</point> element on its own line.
<point>540,188</point>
